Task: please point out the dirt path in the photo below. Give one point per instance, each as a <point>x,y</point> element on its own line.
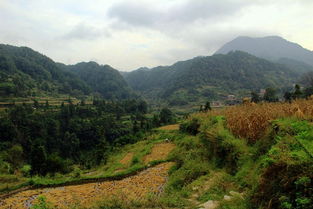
<point>149,181</point>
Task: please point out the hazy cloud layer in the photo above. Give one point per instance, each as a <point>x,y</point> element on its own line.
<point>128,34</point>
<point>86,32</point>
<point>155,16</point>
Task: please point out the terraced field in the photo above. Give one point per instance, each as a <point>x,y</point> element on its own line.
<point>148,182</point>
<point>159,152</point>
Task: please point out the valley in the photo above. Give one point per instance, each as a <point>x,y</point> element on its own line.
<point>228,131</point>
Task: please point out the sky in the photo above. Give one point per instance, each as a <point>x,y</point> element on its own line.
<point>129,34</point>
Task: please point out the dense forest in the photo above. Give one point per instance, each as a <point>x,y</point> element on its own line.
<point>49,139</point>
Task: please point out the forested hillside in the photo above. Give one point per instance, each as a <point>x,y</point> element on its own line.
<point>27,73</point>
<point>24,72</point>
<point>212,77</point>
<point>102,79</point>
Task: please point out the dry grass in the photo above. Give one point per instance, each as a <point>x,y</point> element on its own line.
<point>159,152</point>
<point>251,120</point>
<point>169,127</point>
<point>150,181</point>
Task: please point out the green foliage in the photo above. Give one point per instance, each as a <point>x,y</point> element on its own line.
<point>135,160</point>
<point>101,79</point>
<point>190,165</point>
<point>51,140</point>
<point>24,72</point>
<point>190,126</point>
<point>166,116</point>
<point>76,172</point>
<point>255,97</point>
<point>213,77</point>
<point>270,95</point>
<point>291,161</point>
<point>26,169</point>
<point>42,203</point>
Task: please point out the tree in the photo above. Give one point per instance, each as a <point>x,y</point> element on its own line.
<point>143,107</point>
<point>38,158</point>
<point>288,96</point>
<point>14,156</point>
<point>166,116</point>
<point>270,95</point>
<point>207,106</point>
<point>255,97</point>
<point>298,93</point>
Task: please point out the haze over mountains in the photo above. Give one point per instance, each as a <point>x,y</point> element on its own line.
<point>24,72</point>
<point>273,48</point>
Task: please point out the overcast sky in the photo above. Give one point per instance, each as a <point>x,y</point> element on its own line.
<point>130,34</point>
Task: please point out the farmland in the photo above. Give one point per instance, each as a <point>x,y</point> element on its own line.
<point>245,156</point>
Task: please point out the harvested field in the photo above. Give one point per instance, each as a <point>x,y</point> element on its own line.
<point>170,127</point>
<point>150,181</point>
<point>159,152</point>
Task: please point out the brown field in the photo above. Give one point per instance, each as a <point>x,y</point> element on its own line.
<point>159,152</point>
<point>251,120</point>
<point>170,127</point>
<point>148,182</point>
<point>127,159</point>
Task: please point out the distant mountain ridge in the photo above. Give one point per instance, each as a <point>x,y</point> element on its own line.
<point>270,47</point>
<point>212,77</point>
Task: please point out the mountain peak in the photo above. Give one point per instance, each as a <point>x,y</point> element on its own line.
<point>269,47</point>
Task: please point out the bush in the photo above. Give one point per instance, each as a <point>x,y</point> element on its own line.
<point>190,126</point>
<point>135,160</point>
<point>26,169</point>
<point>76,172</point>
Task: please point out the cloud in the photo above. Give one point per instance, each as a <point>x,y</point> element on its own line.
<point>181,13</point>
<point>134,13</point>
<point>86,32</point>
<point>128,34</point>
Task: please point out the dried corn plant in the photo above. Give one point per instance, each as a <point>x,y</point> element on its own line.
<point>251,120</point>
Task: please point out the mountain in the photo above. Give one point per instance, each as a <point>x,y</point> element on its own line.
<point>25,72</point>
<point>270,47</point>
<point>299,66</point>
<point>102,79</point>
<point>212,77</point>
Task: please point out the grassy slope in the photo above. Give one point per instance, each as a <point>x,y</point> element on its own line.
<point>214,165</point>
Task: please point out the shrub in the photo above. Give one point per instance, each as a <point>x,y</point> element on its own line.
<point>190,126</point>
<point>26,169</point>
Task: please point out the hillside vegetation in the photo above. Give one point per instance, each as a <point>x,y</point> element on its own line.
<point>102,79</point>
<point>27,73</point>
<point>213,77</point>
<point>247,156</point>
<point>24,72</point>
